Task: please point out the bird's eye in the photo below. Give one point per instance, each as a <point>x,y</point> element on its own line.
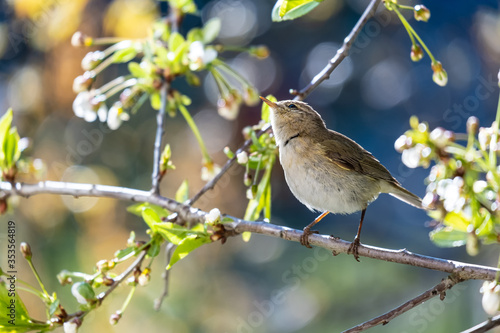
<point>292,106</point>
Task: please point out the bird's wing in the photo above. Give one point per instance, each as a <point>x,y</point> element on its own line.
<point>349,155</point>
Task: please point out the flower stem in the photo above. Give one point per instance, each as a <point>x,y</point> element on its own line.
<point>412,32</point>
<point>196,132</point>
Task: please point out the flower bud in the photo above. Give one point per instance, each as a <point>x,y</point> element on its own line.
<point>250,96</point>
<point>421,13</point>
<point>491,297</point>
<point>260,51</point>
<point>416,53</point>
<point>247,179</point>
<point>64,277</point>
<point>92,59</point>
<point>213,217</point>
<point>229,153</point>
<point>472,245</point>
<point>242,157</point>
<point>472,125</point>
<point>83,82</point>
<point>145,277</point>
<point>83,292</point>
<point>72,325</point>
<point>440,77</point>
<point>80,40</point>
<point>26,250</point>
<point>115,317</point>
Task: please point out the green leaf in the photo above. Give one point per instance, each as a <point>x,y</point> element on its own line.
<point>10,148</point>
<point>136,70</point>
<point>211,30</point>
<point>136,209</point>
<point>182,193</point>
<point>54,306</point>
<point>155,99</point>
<point>456,221</point>
<point>266,110</point>
<point>292,9</point>
<point>155,247</point>
<point>124,252</point>
<point>175,41</point>
<point>125,55</point>
<point>261,199</point>
<point>172,232</point>
<point>448,237</point>
<point>186,246</point>
<point>150,217</point>
<point>195,34</point>
<point>14,316</point>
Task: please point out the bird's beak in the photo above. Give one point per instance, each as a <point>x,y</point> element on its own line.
<point>268,102</point>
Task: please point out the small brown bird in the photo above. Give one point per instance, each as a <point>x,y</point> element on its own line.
<point>326,170</point>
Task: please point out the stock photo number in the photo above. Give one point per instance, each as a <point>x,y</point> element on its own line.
<point>11,272</point>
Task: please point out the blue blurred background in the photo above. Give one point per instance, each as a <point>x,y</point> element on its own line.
<point>266,285</point>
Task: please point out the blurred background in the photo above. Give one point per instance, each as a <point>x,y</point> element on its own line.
<point>266,285</point>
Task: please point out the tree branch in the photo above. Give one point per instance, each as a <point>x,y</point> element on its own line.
<point>484,326</point>
<point>439,289</point>
<point>341,53</point>
<point>160,130</point>
<point>190,215</point>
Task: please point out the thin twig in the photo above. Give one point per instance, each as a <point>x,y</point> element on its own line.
<point>119,279</point>
<point>169,249</point>
<point>160,130</point>
<point>439,289</point>
<point>192,215</point>
<point>211,184</point>
<point>341,53</point>
<point>484,326</point>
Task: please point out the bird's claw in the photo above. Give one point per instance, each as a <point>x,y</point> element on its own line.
<point>304,238</point>
<point>353,248</point>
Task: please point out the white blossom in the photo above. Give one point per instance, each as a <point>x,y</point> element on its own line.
<point>213,216</point>
<point>242,157</point>
<point>491,297</point>
<point>116,116</point>
<point>200,56</point>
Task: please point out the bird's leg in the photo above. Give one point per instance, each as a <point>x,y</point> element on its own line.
<point>304,238</point>
<point>353,248</point>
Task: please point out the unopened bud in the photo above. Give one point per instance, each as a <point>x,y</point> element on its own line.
<point>416,53</point>
<point>83,82</point>
<point>91,60</point>
<point>472,245</point>
<point>422,13</point>
<point>26,250</point>
<point>260,51</point>
<point>80,40</point>
<point>472,125</point>
<point>440,77</point>
<point>115,317</point>
<point>491,297</point>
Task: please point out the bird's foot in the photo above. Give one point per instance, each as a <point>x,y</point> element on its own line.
<point>353,248</point>
<point>304,238</point>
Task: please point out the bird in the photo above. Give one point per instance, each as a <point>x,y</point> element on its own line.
<point>327,171</point>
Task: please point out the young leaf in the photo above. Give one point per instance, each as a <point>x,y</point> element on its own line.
<point>448,237</point>
<point>136,70</point>
<point>182,193</point>
<point>186,246</point>
<point>175,41</point>
<point>14,316</point>
<point>266,110</point>
<point>150,217</point>
<point>10,148</point>
<point>137,209</point>
<point>211,30</point>
<point>125,55</point>
<point>292,9</point>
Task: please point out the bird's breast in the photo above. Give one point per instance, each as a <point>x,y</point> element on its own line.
<point>320,184</point>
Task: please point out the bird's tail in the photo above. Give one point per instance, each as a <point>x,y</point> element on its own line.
<point>403,194</point>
